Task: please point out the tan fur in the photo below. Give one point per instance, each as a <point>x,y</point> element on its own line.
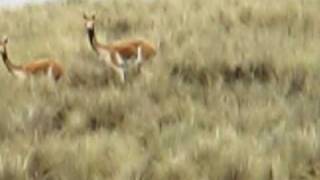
<point>129,48</point>
<point>42,66</point>
<point>119,52</point>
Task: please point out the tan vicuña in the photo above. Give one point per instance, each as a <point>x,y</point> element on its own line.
<point>119,54</point>
<point>42,66</point>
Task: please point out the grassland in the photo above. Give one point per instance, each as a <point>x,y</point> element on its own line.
<point>233,93</point>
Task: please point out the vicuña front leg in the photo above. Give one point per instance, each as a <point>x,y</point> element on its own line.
<point>120,73</point>
<point>121,68</point>
<point>115,68</point>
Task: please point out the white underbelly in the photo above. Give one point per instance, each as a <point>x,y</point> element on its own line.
<point>19,74</point>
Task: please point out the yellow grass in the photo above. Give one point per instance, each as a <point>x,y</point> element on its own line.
<point>232,94</point>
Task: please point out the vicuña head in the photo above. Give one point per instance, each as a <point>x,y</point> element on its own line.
<point>90,20</point>
<point>42,66</point>
<point>119,54</point>
<point>89,24</point>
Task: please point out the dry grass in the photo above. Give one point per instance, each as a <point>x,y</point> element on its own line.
<point>233,93</point>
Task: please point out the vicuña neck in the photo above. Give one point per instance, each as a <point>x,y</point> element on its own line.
<point>92,39</point>
<point>11,67</point>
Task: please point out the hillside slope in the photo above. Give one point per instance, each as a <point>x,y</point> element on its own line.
<point>233,93</point>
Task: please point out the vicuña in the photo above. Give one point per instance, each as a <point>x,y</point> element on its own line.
<point>42,66</point>
<point>119,54</point>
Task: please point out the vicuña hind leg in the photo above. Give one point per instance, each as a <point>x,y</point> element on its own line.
<point>50,73</point>
<point>139,56</point>
<point>138,62</point>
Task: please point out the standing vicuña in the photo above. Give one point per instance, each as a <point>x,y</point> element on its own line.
<point>43,66</point>
<point>118,54</point>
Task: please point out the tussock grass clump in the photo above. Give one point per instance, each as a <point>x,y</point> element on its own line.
<point>233,92</point>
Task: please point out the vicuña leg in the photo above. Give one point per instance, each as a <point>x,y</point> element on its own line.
<point>121,68</point>
<point>50,73</point>
<point>115,68</point>
<point>139,60</point>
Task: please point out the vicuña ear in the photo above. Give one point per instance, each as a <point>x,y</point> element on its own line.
<point>5,39</point>
<point>93,16</point>
<point>84,15</point>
